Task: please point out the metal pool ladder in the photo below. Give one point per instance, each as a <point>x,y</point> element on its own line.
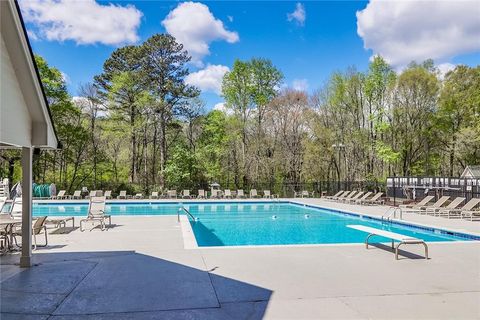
<point>388,215</point>
<point>187,212</point>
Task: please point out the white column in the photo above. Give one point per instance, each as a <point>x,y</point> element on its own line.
<point>26,258</point>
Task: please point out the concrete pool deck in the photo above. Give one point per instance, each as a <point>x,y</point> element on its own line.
<point>139,269</point>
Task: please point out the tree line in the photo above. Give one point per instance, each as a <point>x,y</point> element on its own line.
<point>139,126</point>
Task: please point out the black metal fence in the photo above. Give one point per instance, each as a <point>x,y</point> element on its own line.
<point>419,187</point>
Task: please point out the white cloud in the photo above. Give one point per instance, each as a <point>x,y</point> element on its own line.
<point>402,31</point>
<point>300,84</point>
<point>32,35</point>
<point>444,68</point>
<point>65,77</point>
<point>221,106</point>
<point>208,79</point>
<point>193,25</point>
<point>85,22</point>
<point>298,15</point>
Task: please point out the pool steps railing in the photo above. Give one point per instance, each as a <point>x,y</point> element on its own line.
<point>182,208</point>
<point>392,211</point>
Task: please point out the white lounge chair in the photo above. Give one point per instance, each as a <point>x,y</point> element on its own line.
<point>422,209</point>
<point>122,195</point>
<point>469,212</point>
<point>240,194</point>
<point>154,195</point>
<point>60,195</point>
<point>138,196</point>
<point>96,212</point>
<point>186,194</point>
<point>253,193</point>
<point>336,195</point>
<point>172,194</point>
<point>459,213</point>
<point>355,197</point>
<point>442,211</point>
<point>364,197</point>
<point>227,194</point>
<point>350,196</point>
<point>374,200</point>
<point>201,194</point>
<point>215,194</point>
<point>77,194</point>
<point>419,205</point>
<point>341,196</point>
<point>108,194</point>
<point>92,194</point>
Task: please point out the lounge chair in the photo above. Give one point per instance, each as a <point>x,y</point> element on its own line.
<point>92,194</point>
<point>354,198</point>
<point>108,194</point>
<point>240,194</point>
<point>365,196</point>
<point>306,194</point>
<point>227,194</point>
<point>374,200</point>
<point>458,213</point>
<point>138,196</point>
<point>254,194</point>
<point>154,195</point>
<point>60,222</point>
<point>452,205</point>
<point>96,212</point>
<point>201,194</point>
<point>336,195</point>
<point>77,194</point>
<point>422,209</point>
<point>186,194</point>
<point>350,196</point>
<point>469,211</point>
<point>60,195</point>
<point>422,203</point>
<point>215,194</point>
<point>122,195</point>
<point>341,196</point>
<point>172,194</point>
<point>37,228</point>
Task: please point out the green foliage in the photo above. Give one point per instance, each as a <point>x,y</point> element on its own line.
<point>140,127</point>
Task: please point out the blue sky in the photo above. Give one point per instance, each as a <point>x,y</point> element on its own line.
<point>306,40</point>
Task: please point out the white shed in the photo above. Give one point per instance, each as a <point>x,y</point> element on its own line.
<point>25,120</point>
<point>471,172</point>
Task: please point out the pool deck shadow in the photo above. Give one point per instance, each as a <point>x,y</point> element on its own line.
<point>402,254</point>
<point>122,285</point>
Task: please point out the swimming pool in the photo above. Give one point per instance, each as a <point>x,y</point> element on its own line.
<point>261,223</point>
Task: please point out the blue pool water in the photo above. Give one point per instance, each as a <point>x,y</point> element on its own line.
<point>266,223</point>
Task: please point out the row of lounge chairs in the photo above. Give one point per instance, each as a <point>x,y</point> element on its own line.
<point>357,197</point>
<point>445,208</point>
<point>172,194</point>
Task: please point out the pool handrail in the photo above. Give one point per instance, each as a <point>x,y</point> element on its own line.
<point>186,211</point>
